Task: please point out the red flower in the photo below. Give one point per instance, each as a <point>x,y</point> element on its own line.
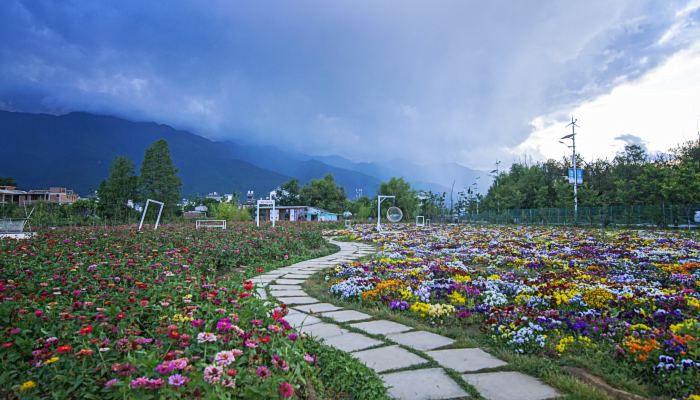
<point>248,285</point>
<point>86,330</point>
<point>232,372</point>
<point>265,339</point>
<point>64,348</point>
<point>242,295</point>
<point>286,390</point>
<point>7,345</point>
<point>259,270</point>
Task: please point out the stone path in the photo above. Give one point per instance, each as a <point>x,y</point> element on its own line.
<point>404,357</point>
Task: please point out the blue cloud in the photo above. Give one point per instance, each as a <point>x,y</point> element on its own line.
<point>427,80</point>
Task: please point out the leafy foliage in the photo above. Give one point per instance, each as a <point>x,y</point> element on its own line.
<point>159,180</point>
<point>324,193</point>
<point>120,187</point>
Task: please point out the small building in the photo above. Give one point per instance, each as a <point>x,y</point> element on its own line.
<point>58,195</point>
<point>297,213</point>
<point>215,196</point>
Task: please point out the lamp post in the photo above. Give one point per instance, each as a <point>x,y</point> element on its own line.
<point>381,198</point>
<point>476,194</point>
<point>572,136</point>
<point>496,171</point>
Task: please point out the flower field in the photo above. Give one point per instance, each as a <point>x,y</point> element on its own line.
<point>626,299</point>
<point>113,313</point>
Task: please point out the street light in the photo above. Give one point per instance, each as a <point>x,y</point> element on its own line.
<point>496,171</point>
<point>572,136</point>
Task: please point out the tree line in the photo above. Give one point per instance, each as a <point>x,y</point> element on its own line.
<point>632,177</point>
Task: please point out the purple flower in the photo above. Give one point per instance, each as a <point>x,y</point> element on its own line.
<point>263,372</point>
<point>178,380</point>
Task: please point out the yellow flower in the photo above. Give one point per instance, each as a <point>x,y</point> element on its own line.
<point>462,278</point>
<point>28,385</point>
<point>456,298</point>
<point>693,302</point>
<point>52,360</point>
<point>494,277</point>
<point>181,318</point>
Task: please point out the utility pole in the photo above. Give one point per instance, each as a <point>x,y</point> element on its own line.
<point>572,136</point>
<point>497,171</point>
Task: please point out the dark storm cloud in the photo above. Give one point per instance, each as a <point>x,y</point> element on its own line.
<point>449,80</point>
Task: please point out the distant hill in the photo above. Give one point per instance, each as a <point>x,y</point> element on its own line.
<point>75,150</point>
<point>304,167</point>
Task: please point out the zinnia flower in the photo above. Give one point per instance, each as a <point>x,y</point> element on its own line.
<point>224,358</point>
<point>263,372</point>
<point>204,337</point>
<point>286,390</point>
<point>178,380</point>
<point>28,385</point>
<point>212,374</point>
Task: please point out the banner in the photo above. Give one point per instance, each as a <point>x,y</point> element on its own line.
<point>579,175</point>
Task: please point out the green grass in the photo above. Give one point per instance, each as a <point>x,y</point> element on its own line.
<point>548,370</point>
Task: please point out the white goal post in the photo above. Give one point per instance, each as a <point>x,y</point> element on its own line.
<point>145,209</point>
<point>211,223</point>
<point>420,220</point>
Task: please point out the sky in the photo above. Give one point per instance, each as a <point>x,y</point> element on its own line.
<point>428,81</point>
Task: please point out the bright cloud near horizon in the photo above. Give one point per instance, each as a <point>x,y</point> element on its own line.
<point>450,81</point>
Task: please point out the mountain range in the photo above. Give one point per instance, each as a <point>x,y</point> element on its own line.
<point>75,150</point>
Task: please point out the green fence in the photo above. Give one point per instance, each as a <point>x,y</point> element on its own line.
<point>660,216</point>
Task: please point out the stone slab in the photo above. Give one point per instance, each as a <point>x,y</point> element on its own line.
<point>387,358</point>
<point>423,384</point>
<point>465,360</point>
<point>298,320</point>
<point>297,300</point>
<point>288,293</point>
<point>262,294</point>
<point>351,341</point>
<point>420,340</point>
<point>285,287</point>
<point>295,275</point>
<point>323,330</point>
<point>381,327</point>
<point>346,315</point>
<point>289,281</point>
<point>509,385</point>
<point>316,308</point>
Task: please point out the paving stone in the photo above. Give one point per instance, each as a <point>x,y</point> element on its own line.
<point>298,320</point>
<point>352,342</point>
<point>420,340</point>
<point>285,287</point>
<point>346,315</point>
<point>289,281</point>
<point>381,327</point>
<point>317,308</point>
<point>423,384</point>
<point>509,385</point>
<point>297,300</point>
<point>287,293</point>
<point>465,360</point>
<point>323,330</point>
<point>261,293</point>
<point>296,276</point>
<point>387,358</point>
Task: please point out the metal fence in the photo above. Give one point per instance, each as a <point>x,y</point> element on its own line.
<point>678,216</point>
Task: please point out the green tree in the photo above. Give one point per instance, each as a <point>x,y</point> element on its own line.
<point>120,186</point>
<point>8,181</point>
<point>406,198</point>
<point>289,194</point>
<point>159,180</point>
<point>324,193</point>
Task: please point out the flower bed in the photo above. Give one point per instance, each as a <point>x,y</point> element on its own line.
<point>626,296</point>
<point>112,313</point>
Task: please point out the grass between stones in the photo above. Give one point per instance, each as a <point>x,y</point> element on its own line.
<point>545,369</point>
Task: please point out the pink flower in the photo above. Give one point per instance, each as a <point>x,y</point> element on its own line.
<point>250,344</point>
<point>224,358</point>
<point>309,358</point>
<point>197,323</point>
<point>263,372</point>
<point>178,380</point>
<point>213,374</point>
<point>111,383</point>
<point>286,390</point>
<point>204,337</point>
<point>224,325</point>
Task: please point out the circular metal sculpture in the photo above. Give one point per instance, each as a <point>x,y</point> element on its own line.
<point>347,214</point>
<point>394,214</point>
